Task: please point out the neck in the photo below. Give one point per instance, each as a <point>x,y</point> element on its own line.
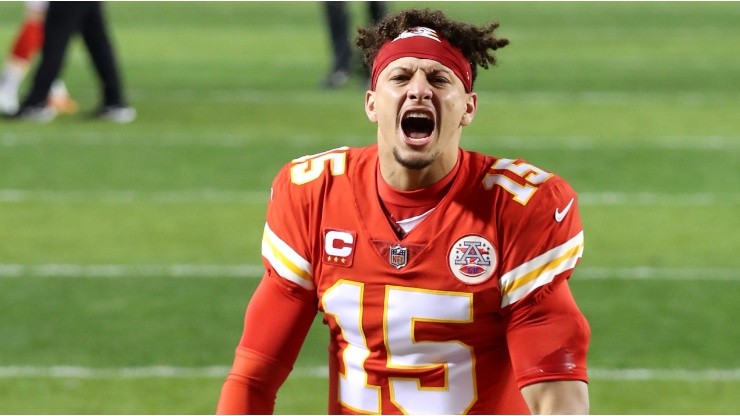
<point>407,179</point>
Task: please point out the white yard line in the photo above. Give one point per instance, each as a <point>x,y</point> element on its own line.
<point>652,198</point>
<point>213,196</point>
<point>658,273</point>
<point>132,270</point>
<point>77,372</point>
<point>254,271</point>
<point>127,196</point>
<point>639,374</point>
<point>316,97</point>
<point>695,143</point>
<point>251,138</point>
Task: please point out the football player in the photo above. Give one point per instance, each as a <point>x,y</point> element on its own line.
<point>441,273</point>
<point>62,21</point>
<point>24,49</point>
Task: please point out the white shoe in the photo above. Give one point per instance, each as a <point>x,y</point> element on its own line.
<point>117,114</point>
<point>38,113</point>
<point>10,81</point>
<point>8,102</point>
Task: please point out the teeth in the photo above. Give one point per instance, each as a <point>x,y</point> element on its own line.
<point>417,114</point>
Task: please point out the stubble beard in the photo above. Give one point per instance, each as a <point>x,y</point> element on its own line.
<point>413,163</point>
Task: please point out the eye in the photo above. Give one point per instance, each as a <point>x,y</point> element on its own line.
<point>439,80</point>
<point>399,78</point>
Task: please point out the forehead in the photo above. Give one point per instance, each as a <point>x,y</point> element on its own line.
<point>410,63</point>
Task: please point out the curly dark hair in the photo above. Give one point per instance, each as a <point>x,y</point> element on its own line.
<point>474,41</point>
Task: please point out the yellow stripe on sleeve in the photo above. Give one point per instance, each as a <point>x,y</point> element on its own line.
<point>286,261</point>
<point>541,270</point>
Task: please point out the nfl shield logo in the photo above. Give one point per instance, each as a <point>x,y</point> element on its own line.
<point>398,256</point>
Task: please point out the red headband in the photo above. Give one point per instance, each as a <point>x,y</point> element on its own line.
<point>424,43</point>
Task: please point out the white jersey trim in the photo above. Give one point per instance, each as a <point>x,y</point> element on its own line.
<point>524,279</point>
<point>289,264</point>
<point>410,223</point>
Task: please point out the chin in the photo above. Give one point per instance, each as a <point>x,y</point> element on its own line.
<point>413,160</point>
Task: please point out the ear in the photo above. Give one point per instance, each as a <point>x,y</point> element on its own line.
<point>370,106</point>
<point>471,107</point>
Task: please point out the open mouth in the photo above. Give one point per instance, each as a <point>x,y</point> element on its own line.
<point>417,124</point>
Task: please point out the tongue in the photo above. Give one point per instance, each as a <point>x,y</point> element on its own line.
<point>418,134</point>
<point>418,140</point>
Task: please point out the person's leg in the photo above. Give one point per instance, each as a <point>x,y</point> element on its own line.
<point>27,43</point>
<point>338,23</point>
<point>378,10</point>
<point>98,43</point>
<point>61,22</point>
<point>95,34</point>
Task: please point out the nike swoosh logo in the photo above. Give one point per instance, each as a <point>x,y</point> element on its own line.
<point>559,215</point>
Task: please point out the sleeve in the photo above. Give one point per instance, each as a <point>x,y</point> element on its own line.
<point>547,334</point>
<point>288,235</point>
<point>268,347</point>
<point>286,296</point>
<point>548,337</point>
<point>543,241</point>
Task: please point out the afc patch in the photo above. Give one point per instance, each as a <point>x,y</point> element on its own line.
<point>472,259</point>
<point>339,247</point>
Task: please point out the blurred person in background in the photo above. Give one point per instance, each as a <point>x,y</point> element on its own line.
<point>442,273</point>
<point>64,19</point>
<point>338,22</point>
<point>27,43</point>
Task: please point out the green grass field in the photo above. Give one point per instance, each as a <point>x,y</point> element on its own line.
<point>128,252</point>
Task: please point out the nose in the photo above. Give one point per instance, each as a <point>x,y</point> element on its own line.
<point>419,88</point>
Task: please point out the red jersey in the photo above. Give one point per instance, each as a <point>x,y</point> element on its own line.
<point>435,321</point>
